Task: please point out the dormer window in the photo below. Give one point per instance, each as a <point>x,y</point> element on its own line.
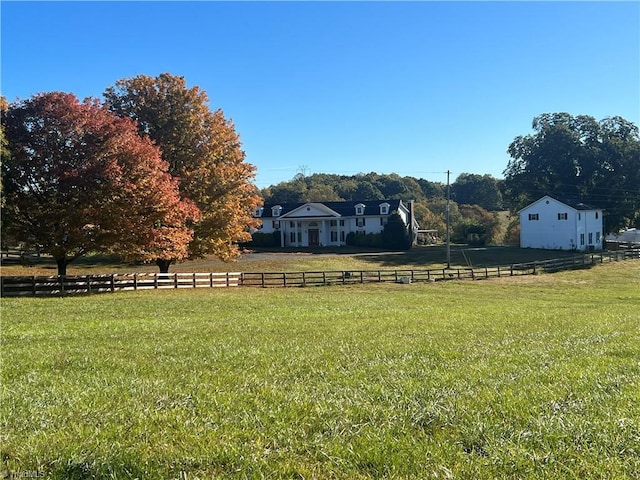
<point>384,209</point>
<point>258,212</point>
<point>276,211</point>
<point>360,209</point>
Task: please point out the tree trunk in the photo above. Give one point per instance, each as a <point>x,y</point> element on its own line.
<point>163,264</point>
<point>62,265</point>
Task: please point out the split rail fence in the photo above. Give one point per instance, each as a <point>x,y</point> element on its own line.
<point>85,284</point>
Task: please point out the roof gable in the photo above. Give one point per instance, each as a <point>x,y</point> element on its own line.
<point>311,209</point>
<point>573,205</point>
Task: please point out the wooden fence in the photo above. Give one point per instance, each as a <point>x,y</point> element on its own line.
<point>64,285</point>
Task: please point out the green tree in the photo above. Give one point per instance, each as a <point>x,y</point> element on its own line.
<point>395,234</point>
<point>578,158</point>
<point>474,189</point>
<point>476,227</point>
<point>202,150</point>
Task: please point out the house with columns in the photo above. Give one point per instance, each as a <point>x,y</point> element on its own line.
<point>322,224</point>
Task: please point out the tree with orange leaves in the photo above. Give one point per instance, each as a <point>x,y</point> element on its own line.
<point>203,151</point>
<point>78,179</point>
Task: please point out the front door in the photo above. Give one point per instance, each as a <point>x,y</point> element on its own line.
<point>314,237</point>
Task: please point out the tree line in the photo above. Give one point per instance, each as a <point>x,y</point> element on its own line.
<point>474,198</point>
<point>573,158</point>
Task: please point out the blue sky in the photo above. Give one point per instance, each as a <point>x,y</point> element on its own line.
<point>414,88</point>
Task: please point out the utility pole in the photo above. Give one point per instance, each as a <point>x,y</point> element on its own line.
<point>448,222</point>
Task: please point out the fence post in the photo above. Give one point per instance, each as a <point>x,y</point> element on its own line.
<point>135,281</point>
<point>113,282</point>
<point>194,280</point>
<point>175,280</point>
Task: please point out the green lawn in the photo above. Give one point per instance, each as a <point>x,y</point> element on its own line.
<point>291,260</point>
<point>529,377</point>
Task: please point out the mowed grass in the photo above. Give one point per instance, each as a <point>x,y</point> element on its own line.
<point>320,259</point>
<point>529,377</point>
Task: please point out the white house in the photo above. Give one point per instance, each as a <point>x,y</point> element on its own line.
<point>560,225</point>
<point>321,224</point>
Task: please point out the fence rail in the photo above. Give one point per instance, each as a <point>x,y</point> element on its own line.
<point>64,285</point>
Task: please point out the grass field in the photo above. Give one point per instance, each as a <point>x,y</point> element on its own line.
<point>340,258</point>
<point>528,377</point>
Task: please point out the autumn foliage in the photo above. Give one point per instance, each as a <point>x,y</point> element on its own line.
<point>202,150</point>
<point>77,178</point>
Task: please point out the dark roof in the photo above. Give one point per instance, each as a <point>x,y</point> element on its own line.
<point>574,203</point>
<point>345,209</point>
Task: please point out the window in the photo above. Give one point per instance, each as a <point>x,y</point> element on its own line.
<point>596,215</point>
<point>258,212</point>
<point>334,236</point>
<point>342,223</point>
<point>534,216</point>
<point>333,223</point>
<point>299,237</point>
<point>582,239</point>
<point>384,209</point>
<point>360,209</point>
<point>275,211</point>
<point>275,224</point>
<point>360,222</point>
<point>292,237</point>
<point>597,237</point>
<point>292,224</point>
<point>579,216</point>
<point>562,216</point>
<point>342,235</point>
<point>590,238</point>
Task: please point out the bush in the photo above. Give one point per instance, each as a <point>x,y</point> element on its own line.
<point>265,240</point>
<point>364,240</point>
<point>395,234</point>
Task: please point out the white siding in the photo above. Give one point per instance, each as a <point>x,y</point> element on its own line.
<point>311,222</point>
<point>550,224</point>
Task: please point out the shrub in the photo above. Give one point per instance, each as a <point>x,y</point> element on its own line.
<point>265,239</point>
<point>395,235</point>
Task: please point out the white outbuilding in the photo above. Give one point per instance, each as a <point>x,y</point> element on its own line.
<point>549,223</point>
